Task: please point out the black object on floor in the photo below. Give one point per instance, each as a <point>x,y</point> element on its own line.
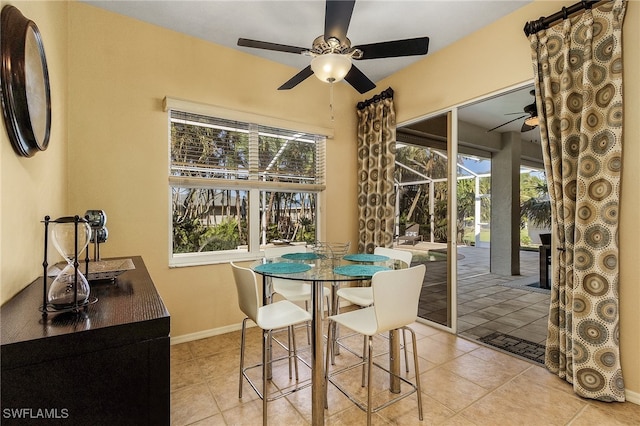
<point>526,284</point>
<point>515,345</point>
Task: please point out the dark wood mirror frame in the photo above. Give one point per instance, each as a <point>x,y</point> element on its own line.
<point>26,95</point>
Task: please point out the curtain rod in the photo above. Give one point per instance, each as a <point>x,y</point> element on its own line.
<point>543,23</point>
<point>383,95</point>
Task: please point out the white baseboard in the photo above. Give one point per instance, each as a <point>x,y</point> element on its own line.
<point>208,333</point>
<point>633,397</point>
<point>217,331</point>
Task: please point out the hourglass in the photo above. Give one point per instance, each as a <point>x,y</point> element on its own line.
<point>70,289</point>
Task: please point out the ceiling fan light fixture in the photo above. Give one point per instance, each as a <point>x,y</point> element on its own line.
<point>532,121</point>
<point>331,67</point>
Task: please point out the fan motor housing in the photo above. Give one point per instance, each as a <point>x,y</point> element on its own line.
<point>333,45</point>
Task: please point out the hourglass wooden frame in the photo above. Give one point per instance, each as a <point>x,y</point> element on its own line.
<point>47,307</point>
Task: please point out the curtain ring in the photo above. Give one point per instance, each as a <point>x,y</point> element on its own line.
<point>565,13</point>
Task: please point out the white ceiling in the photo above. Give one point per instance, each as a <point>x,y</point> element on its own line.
<point>299,22</point>
<point>497,110</point>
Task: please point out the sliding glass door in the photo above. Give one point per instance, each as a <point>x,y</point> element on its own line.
<point>425,196</point>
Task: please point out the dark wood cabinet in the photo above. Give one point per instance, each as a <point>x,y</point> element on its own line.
<point>109,365</point>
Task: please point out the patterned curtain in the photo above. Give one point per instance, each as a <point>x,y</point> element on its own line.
<point>578,81</point>
<point>376,161</point>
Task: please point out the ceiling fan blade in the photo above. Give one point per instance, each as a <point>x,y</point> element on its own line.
<point>244,42</point>
<point>297,79</point>
<point>396,48</point>
<point>504,124</point>
<point>531,109</point>
<point>358,80</point>
<point>336,18</point>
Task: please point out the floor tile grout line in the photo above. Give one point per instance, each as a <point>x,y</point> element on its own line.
<point>487,392</point>
<point>575,396</point>
<point>491,391</point>
<point>578,414</point>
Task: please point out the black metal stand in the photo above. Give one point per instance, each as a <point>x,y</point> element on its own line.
<point>96,242</point>
<point>45,266</point>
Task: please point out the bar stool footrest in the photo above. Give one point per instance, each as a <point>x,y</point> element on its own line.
<point>363,406</point>
<point>299,385</point>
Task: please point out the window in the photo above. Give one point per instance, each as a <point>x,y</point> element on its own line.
<point>236,186</point>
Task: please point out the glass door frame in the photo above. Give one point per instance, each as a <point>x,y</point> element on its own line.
<point>452,152</point>
<point>452,250</point>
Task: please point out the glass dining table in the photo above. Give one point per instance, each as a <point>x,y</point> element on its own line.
<point>318,271</point>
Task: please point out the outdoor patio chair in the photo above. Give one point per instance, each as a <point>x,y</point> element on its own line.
<point>411,234</point>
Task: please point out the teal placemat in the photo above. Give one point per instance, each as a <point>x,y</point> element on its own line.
<point>300,256</point>
<point>365,257</point>
<point>282,268</point>
<point>359,270</point>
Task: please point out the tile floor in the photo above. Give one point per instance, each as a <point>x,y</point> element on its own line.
<point>487,302</point>
<point>463,383</point>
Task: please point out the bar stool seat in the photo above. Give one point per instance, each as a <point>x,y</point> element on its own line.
<point>363,296</point>
<point>395,305</point>
<point>282,314</point>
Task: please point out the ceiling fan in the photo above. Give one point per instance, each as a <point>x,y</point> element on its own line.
<point>332,52</point>
<point>530,115</point>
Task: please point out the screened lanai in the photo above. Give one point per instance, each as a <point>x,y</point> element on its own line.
<point>421,194</point>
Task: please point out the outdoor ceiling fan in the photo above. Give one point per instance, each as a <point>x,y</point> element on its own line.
<point>530,115</point>
<point>332,52</point>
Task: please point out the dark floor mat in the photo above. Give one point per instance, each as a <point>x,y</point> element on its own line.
<point>527,283</point>
<point>515,345</point>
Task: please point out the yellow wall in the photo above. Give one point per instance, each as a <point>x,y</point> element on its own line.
<point>120,69</point>
<point>31,188</point>
<point>109,143</point>
<point>498,57</point>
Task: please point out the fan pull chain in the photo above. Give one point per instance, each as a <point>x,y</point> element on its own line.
<point>331,96</point>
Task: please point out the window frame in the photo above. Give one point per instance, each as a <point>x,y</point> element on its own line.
<point>252,186</point>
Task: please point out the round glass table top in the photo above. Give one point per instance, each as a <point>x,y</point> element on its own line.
<point>322,269</point>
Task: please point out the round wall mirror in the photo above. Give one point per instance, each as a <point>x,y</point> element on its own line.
<point>26,96</point>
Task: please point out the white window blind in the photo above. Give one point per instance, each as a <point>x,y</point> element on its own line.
<point>236,186</point>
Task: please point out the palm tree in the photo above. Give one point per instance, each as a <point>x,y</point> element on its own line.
<point>537,207</point>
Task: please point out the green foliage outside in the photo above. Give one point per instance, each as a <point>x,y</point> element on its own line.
<point>212,220</point>
<point>485,236</point>
<point>535,205</point>
<point>192,236</point>
<point>216,219</point>
<point>414,199</point>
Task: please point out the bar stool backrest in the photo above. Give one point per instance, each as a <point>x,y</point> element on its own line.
<point>395,296</point>
<point>403,255</point>
<point>281,285</point>
<point>247,287</point>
